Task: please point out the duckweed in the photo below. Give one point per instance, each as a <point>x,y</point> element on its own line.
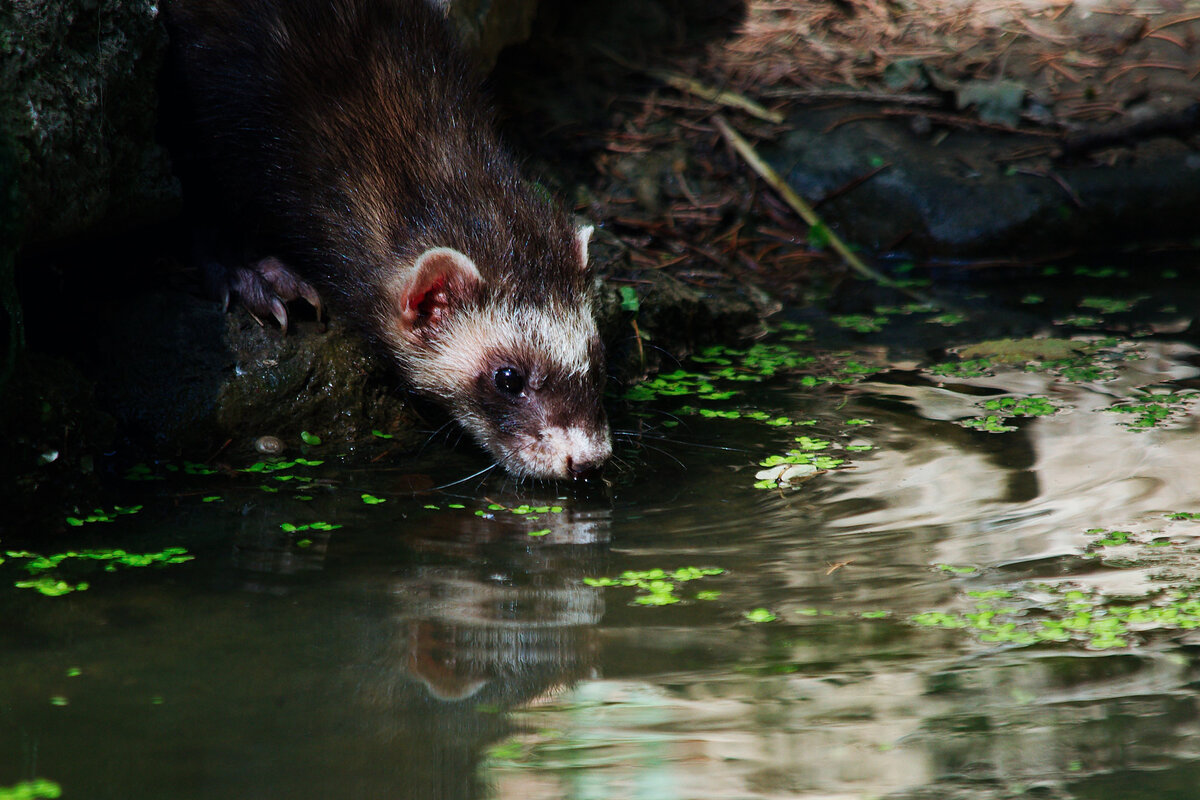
<point>52,586</point>
<point>1109,538</point>
<point>989,424</point>
<point>278,466</point>
<point>1080,321</point>
<point>1109,305</point>
<point>1152,411</point>
<point>1085,271</point>
<point>758,362</point>
<point>860,323</point>
<point>1032,406</point>
<point>38,563</point>
<point>289,527</point>
<point>1071,615</point>
<point>523,510</point>
<point>948,319</point>
<point>36,789</point>
<point>100,515</point>
<point>656,587</point>
<point>970,368</point>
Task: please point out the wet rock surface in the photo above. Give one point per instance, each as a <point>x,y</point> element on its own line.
<point>184,377</point>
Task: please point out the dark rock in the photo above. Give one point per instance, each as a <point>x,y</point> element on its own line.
<point>79,102</point>
<point>183,378</point>
<point>955,197</point>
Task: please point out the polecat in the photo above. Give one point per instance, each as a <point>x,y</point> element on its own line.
<point>346,143</point>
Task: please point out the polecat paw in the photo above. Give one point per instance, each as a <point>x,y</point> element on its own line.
<point>264,287</point>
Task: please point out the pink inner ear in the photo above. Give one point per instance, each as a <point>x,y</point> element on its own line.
<point>422,304</point>
<point>441,276</point>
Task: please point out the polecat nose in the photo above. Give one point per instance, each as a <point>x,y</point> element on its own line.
<point>584,470</point>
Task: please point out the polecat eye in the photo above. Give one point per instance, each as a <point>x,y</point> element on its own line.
<point>509,380</point>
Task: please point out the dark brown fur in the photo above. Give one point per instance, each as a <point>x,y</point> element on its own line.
<point>346,138</point>
<point>302,132</point>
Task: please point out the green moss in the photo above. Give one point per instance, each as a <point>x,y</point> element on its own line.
<point>1020,351</point>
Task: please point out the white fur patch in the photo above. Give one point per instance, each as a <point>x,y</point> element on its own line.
<point>463,349</point>
<point>467,340</point>
<point>558,449</point>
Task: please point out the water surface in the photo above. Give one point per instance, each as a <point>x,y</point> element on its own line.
<point>933,618</point>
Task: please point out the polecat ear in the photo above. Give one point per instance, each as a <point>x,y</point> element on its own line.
<point>583,235</point>
<point>439,279</point>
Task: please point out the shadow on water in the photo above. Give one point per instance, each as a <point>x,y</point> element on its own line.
<point>853,572</point>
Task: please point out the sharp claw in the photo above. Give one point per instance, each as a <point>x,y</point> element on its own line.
<point>280,314</point>
<point>224,299</point>
<point>314,299</point>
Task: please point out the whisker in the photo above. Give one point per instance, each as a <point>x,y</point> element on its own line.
<point>670,356</point>
<point>665,452</point>
<point>635,436</point>
<point>433,436</point>
<point>483,471</point>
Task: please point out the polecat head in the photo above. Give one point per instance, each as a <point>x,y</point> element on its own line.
<point>524,375</point>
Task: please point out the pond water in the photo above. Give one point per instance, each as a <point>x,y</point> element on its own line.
<point>966,581</point>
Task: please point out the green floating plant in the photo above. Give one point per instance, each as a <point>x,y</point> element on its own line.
<point>1154,410</point>
<point>289,527</point>
<point>656,587</point>
<point>799,464</point>
<point>990,424</point>
<point>36,789</point>
<point>38,566</point>
<point>859,323</point>
<point>1032,406</point>
<point>100,515</point>
<point>971,368</point>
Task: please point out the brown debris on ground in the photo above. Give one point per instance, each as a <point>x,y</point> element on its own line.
<point>1078,61</point>
<point>1072,76</point>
